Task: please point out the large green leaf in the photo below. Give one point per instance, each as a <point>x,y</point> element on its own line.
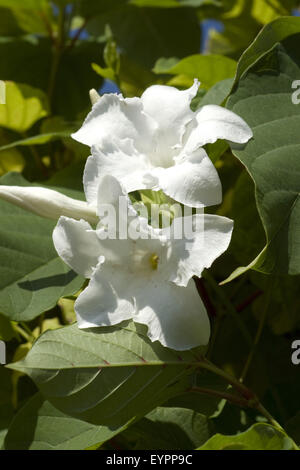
<point>170,428</point>
<point>106,375</point>
<point>216,94</point>
<point>272,33</point>
<point>263,97</point>
<point>24,106</point>
<point>32,276</point>
<point>209,69</point>
<point>40,426</point>
<point>258,437</point>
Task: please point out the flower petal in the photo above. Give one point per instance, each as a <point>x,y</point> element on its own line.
<point>193,181</point>
<point>170,108</point>
<point>189,257</point>
<point>175,316</point>
<point>77,244</point>
<point>47,202</point>
<point>107,300</point>
<point>215,122</point>
<point>118,117</point>
<point>117,159</point>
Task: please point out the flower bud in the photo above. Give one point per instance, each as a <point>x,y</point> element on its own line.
<point>48,203</point>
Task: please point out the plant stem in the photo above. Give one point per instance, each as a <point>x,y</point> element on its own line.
<point>27,329</point>
<point>77,35</point>
<point>248,301</point>
<point>26,336</point>
<point>241,388</point>
<point>249,398</point>
<point>224,395</point>
<point>44,17</point>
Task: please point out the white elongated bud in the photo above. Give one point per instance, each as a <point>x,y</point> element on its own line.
<point>48,203</point>
<point>94,96</point>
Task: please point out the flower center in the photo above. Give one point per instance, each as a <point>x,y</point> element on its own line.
<point>154,260</point>
<point>144,261</point>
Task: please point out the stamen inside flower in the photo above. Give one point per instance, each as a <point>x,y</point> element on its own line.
<point>154,259</point>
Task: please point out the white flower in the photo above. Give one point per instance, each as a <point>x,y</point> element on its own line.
<point>147,280</point>
<point>155,142</point>
<point>47,202</point>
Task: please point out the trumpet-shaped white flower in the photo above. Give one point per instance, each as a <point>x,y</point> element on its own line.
<point>147,280</point>
<point>47,202</point>
<point>155,142</point>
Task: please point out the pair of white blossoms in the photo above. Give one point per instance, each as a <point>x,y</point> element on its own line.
<point>153,142</point>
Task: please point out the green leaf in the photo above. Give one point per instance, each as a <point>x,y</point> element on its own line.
<point>106,72</point>
<point>258,437</point>
<point>39,139</point>
<point>40,426</point>
<point>106,375</point>
<point>52,128</point>
<point>263,97</point>
<point>24,106</point>
<point>269,36</point>
<point>209,69</point>
<point>248,236</point>
<point>17,18</point>
<point>32,276</point>
<point>202,403</point>
<point>170,428</point>
<point>217,93</point>
<point>10,160</point>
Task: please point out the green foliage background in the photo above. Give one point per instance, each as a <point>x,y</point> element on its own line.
<point>51,394</point>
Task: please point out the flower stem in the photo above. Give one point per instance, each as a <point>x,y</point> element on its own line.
<point>224,395</point>
<point>28,337</point>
